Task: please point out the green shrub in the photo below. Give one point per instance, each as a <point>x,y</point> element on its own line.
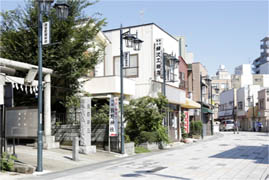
<point>144,118</point>
<point>7,162</point>
<point>139,149</point>
<point>196,127</point>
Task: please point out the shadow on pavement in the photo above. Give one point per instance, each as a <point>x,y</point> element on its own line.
<point>257,153</point>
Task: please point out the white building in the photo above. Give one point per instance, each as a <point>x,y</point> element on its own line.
<point>227,104</point>
<point>242,76</point>
<point>261,79</point>
<point>143,74</point>
<point>247,97</point>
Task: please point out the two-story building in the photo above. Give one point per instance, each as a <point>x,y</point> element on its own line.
<point>228,104</point>
<point>143,73</point>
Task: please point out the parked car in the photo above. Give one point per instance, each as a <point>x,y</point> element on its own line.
<point>226,125</point>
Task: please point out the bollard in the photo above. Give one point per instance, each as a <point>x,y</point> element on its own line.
<point>75,148</point>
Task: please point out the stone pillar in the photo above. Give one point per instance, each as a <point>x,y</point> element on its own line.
<point>85,126</point>
<point>47,105</point>
<point>49,141</point>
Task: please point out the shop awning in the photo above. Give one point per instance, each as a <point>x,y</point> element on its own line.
<point>190,104</point>
<point>206,110</point>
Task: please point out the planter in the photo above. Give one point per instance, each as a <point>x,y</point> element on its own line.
<point>129,148</point>
<point>150,146</point>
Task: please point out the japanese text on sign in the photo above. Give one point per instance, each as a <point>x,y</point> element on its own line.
<point>46,33</point>
<point>158,56</point>
<point>113,116</point>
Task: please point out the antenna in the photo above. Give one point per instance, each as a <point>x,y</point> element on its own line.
<point>141,13</point>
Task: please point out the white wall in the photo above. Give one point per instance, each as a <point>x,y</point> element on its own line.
<point>146,56</point>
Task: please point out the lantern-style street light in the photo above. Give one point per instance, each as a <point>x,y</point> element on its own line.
<point>131,41</point>
<point>44,9</point>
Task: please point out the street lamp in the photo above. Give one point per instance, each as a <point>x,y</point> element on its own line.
<point>131,41</point>
<point>44,9</point>
<point>208,80</point>
<point>252,104</point>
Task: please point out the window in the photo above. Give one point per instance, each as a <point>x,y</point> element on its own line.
<point>262,103</point>
<point>267,99</point>
<point>131,71</point>
<point>240,105</point>
<point>223,86</point>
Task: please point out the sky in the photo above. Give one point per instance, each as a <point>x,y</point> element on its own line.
<point>216,32</point>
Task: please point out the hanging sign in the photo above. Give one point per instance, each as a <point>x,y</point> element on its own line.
<point>113,116</point>
<point>186,122</point>
<point>46,33</point>
<point>158,56</point>
<point>126,59</point>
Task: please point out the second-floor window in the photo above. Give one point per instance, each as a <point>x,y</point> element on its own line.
<point>240,105</point>
<point>128,71</point>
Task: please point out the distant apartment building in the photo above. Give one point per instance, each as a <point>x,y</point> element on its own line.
<point>261,80</point>
<point>220,82</point>
<point>247,99</point>
<point>242,76</point>
<point>263,112</point>
<point>227,105</point>
<point>261,64</point>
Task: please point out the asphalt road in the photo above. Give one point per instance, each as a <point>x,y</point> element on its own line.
<point>242,156</point>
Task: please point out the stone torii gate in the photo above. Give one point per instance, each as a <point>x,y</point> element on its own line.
<point>7,71</point>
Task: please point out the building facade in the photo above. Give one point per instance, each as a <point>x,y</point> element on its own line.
<point>242,76</point>
<point>247,97</point>
<point>220,82</point>
<point>263,106</point>
<point>261,64</point>
<point>228,104</point>
<point>143,73</point>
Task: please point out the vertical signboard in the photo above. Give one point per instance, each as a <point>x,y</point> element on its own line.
<point>126,59</point>
<point>186,122</point>
<point>46,33</point>
<point>158,56</point>
<point>113,116</point>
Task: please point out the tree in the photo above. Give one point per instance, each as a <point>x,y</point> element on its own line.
<point>73,53</point>
<point>144,118</point>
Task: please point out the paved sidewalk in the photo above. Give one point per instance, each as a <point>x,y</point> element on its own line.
<point>241,156</point>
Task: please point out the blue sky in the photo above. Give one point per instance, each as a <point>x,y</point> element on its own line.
<point>217,32</point>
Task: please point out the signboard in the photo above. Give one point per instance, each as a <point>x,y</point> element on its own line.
<point>21,122</point>
<point>126,59</point>
<point>158,56</point>
<point>113,116</point>
<point>186,122</point>
<point>46,33</point>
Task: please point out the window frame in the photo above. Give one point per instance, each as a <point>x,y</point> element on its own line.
<point>137,67</point>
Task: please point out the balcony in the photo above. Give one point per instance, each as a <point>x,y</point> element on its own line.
<point>173,94</point>
<point>107,85</point>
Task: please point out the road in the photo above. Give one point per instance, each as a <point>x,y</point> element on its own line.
<point>242,156</point>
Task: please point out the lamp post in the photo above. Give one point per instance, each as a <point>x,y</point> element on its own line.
<point>44,9</point>
<point>201,98</point>
<point>173,62</point>
<point>131,41</point>
<point>252,104</point>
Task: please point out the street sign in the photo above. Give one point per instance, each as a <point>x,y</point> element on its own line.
<point>46,33</point>
<point>126,59</point>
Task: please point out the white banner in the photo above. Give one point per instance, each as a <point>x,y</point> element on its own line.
<point>113,116</point>
<point>46,33</point>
